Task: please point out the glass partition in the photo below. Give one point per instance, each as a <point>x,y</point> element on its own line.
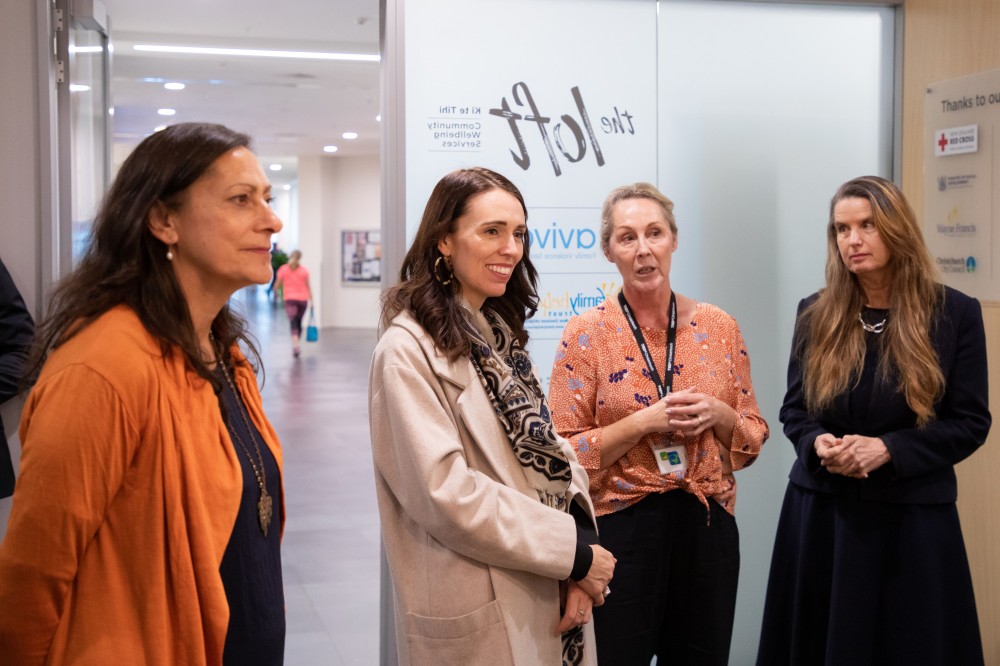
<point>89,112</point>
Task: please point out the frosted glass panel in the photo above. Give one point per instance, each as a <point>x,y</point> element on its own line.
<point>764,109</point>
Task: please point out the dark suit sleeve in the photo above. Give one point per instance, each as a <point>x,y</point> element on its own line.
<point>800,428</point>
<point>962,415</point>
<point>17,330</point>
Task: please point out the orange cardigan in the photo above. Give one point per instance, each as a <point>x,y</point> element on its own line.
<point>127,495</point>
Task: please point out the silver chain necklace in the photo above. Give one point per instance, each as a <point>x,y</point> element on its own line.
<point>872,328</point>
<point>265,506</point>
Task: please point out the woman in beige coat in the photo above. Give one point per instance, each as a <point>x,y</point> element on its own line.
<point>486,519</point>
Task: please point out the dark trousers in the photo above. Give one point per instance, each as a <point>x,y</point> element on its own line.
<point>673,594</point>
<point>295,311</point>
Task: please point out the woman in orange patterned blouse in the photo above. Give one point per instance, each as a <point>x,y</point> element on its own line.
<point>660,447</point>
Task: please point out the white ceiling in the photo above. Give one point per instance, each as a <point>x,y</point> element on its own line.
<point>290,107</point>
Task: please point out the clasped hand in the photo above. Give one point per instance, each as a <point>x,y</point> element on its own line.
<point>686,412</point>
<point>851,455</point>
<point>579,597</point>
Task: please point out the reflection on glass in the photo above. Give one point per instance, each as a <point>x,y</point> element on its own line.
<point>88,132</point>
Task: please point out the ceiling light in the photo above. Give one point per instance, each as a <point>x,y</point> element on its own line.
<point>166,112</point>
<point>378,118</point>
<point>78,87</point>
<point>350,135</point>
<point>173,85</point>
<point>275,167</point>
<point>159,128</point>
<point>256,53</point>
<point>329,149</point>
<point>286,187</point>
<point>85,49</point>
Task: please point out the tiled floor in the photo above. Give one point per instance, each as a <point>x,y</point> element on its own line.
<point>318,404</point>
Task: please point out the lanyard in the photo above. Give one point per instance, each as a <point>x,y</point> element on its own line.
<point>661,388</point>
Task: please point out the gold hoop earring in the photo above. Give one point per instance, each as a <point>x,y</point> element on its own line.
<point>437,276</point>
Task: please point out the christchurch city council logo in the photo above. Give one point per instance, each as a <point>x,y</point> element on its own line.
<point>970,265</point>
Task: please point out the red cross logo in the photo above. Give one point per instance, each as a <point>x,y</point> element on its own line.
<point>943,142</point>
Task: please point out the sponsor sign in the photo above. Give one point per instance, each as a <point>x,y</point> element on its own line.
<point>565,135</point>
<point>957,140</point>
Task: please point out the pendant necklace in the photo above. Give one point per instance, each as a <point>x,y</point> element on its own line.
<point>872,328</point>
<point>265,507</point>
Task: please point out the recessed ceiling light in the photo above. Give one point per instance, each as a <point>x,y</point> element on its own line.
<point>378,118</point>
<point>286,187</point>
<point>329,149</point>
<point>256,53</point>
<point>166,112</point>
<point>275,167</point>
<point>350,135</point>
<point>173,85</point>
<point>159,128</point>
<point>78,87</point>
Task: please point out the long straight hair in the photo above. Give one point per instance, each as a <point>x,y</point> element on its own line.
<point>835,351</point>
<point>124,264</point>
<point>434,305</point>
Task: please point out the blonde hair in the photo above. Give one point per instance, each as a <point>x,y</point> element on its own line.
<point>835,352</point>
<point>634,191</point>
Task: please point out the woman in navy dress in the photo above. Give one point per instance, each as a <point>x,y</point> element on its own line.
<point>887,391</point>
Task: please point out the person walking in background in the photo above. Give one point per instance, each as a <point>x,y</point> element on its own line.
<point>278,259</point>
<point>887,391</point>
<point>488,527</point>
<point>653,390</point>
<point>17,330</point>
<point>293,282</point>
<point>146,522</point>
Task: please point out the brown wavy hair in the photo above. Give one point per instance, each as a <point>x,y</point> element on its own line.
<point>124,264</point>
<point>835,352</point>
<point>434,305</point>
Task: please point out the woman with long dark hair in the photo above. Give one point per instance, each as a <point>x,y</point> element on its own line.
<point>488,527</point>
<point>887,391</point>
<point>146,520</point>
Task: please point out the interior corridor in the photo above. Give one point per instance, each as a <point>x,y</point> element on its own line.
<point>318,404</point>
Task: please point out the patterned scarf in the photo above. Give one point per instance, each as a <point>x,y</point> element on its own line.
<point>507,374</point>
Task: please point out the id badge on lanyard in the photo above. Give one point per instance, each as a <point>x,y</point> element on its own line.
<point>669,459</point>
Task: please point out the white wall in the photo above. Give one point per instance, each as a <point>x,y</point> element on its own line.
<point>337,194</point>
<point>351,202</point>
<point>753,143</point>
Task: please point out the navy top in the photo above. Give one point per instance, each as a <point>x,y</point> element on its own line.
<point>921,469</point>
<point>17,330</point>
<point>251,566</point>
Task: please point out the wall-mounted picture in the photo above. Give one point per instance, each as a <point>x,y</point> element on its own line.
<point>362,256</point>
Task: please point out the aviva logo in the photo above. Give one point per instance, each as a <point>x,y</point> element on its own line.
<point>554,238</point>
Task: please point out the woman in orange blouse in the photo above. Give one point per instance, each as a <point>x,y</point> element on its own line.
<point>147,516</point>
<point>660,447</point>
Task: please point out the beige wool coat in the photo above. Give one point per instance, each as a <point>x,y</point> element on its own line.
<point>475,557</point>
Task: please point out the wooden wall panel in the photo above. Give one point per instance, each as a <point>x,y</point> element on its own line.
<point>946,39</point>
